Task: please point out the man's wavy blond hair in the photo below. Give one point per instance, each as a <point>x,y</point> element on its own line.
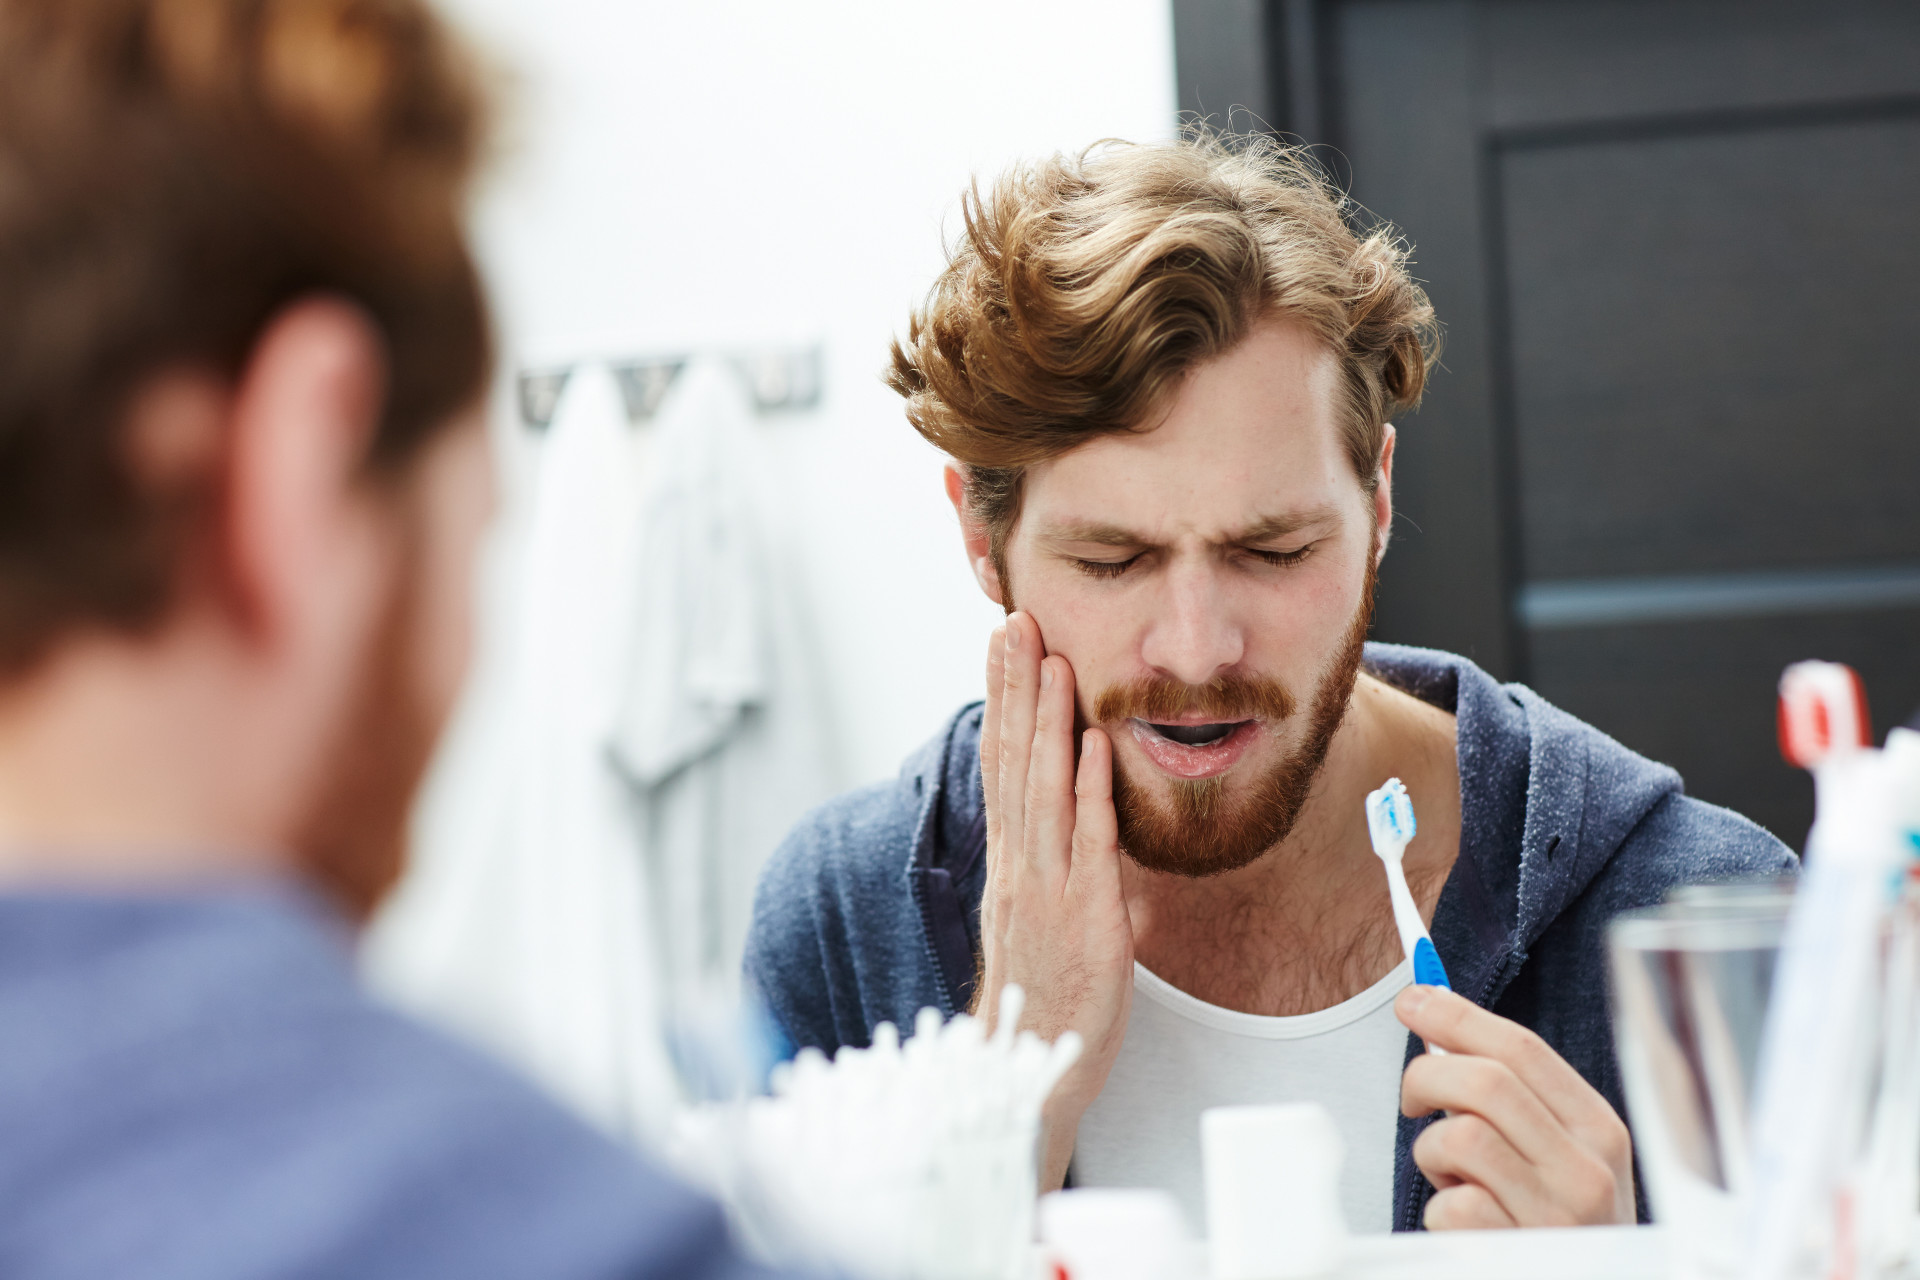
<point>1085,287</point>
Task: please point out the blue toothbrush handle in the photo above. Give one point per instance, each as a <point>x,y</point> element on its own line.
<point>1427,969</point>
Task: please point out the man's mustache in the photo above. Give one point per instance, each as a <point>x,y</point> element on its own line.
<point>1225,697</point>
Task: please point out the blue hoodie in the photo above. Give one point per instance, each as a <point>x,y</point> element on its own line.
<point>870,910</point>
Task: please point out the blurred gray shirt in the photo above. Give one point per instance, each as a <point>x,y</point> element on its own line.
<point>193,1085</point>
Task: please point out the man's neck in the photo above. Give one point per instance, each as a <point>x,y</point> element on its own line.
<point>1309,924</point>
<point>116,764</point>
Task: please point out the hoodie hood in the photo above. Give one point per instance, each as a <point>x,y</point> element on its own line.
<point>1546,802</point>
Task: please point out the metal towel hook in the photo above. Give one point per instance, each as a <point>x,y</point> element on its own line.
<point>778,380</point>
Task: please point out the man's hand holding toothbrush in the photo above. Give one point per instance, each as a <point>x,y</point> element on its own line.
<point>1526,1141</point>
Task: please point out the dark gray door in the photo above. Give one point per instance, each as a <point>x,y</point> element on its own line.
<point>1676,246</point>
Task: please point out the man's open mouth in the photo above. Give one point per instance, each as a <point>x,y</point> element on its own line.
<point>1194,750</point>
<point>1197,735</point>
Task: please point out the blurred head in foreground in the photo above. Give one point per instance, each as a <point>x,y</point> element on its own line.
<point>242,470</point>
<point>241,479</point>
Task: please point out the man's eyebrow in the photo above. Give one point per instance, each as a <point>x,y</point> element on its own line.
<point>1262,530</point>
<point>1105,535</point>
<point>1285,525</point>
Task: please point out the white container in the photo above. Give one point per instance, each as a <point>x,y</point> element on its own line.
<point>1115,1233</point>
<point>1273,1191</point>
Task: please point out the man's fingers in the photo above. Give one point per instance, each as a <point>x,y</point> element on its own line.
<point>1050,800</point>
<point>1457,1024</point>
<point>990,731</point>
<point>1466,1207</point>
<point>1465,1149</point>
<point>1096,832</point>
<point>1462,1083</point>
<point>1501,1134</point>
<point>1578,1190</point>
<point>1019,695</point>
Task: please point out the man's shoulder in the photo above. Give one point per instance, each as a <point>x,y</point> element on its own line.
<point>1686,840</point>
<point>838,940</point>
<point>214,1074</point>
<point>842,869</point>
<point>861,840</point>
<point>1568,817</point>
<point>1634,818</point>
<point>1629,831</point>
<point>856,838</point>
<point>417,1154</point>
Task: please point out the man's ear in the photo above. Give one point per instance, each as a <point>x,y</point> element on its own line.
<point>304,415</point>
<point>974,535</point>
<point>1383,497</point>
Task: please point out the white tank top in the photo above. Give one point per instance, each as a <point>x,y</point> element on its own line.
<point>1183,1055</point>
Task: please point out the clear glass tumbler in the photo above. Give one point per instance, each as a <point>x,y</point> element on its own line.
<point>1691,981</point>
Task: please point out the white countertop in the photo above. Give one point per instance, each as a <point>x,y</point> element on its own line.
<point>1560,1253</point>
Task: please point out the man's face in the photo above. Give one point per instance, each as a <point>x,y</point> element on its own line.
<point>354,840</point>
<point>1210,580</point>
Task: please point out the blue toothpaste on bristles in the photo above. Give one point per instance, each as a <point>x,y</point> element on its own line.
<point>1391,825</point>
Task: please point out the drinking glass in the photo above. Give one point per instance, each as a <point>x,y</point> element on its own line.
<point>1691,981</point>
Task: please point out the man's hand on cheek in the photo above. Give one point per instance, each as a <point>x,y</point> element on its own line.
<point>1053,918</point>
<point>1526,1141</point>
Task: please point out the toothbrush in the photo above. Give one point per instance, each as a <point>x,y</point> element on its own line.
<point>1813,1074</point>
<point>1890,1186</point>
<point>1390,823</point>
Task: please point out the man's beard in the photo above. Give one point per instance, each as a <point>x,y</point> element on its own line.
<point>1203,831</point>
<point>354,840</point>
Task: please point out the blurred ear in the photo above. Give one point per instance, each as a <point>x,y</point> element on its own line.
<point>974,535</point>
<point>304,415</point>
<point>1383,497</point>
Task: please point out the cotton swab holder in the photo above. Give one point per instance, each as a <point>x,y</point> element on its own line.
<point>915,1159</point>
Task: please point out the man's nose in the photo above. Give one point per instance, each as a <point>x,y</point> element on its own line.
<point>1193,636</point>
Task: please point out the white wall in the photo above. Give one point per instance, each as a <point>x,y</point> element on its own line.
<point>746,172</point>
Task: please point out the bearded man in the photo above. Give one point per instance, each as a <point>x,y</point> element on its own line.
<point>243,471</point>
<point>1164,376</point>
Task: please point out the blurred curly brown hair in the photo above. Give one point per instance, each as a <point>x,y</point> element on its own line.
<point>172,174</point>
<point>1085,287</point>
